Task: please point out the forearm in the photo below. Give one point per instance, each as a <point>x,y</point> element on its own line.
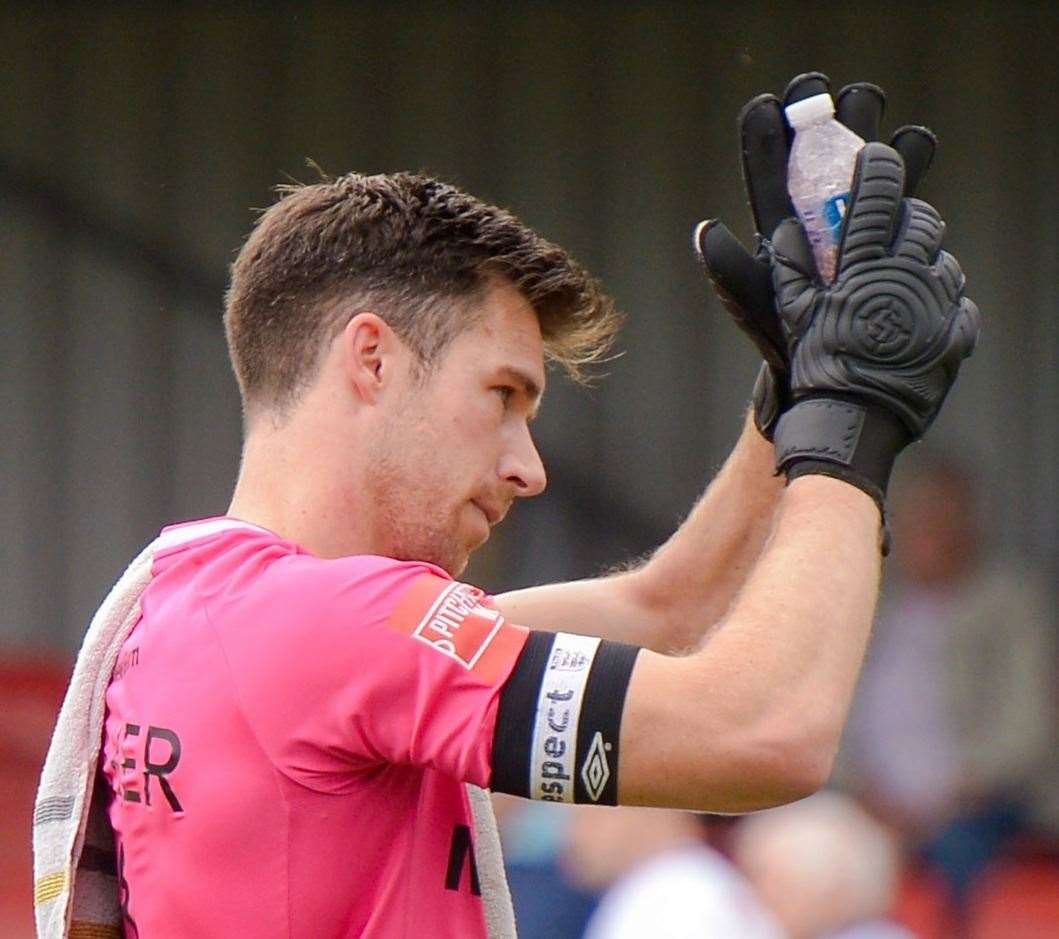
<point>688,584</point>
<point>691,581</point>
<point>797,632</point>
<point>762,704</point>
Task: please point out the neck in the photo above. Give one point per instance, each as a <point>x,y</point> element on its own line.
<point>290,486</point>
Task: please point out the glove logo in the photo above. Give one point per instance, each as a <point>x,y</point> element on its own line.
<point>884,330</point>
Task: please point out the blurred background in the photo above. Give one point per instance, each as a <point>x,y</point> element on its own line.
<point>136,141</point>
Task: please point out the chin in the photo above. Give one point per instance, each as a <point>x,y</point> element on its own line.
<point>456,562</point>
<point>452,562</point>
<point>450,566</point>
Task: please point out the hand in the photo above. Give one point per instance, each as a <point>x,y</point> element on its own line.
<point>873,355</point>
<point>743,282</point>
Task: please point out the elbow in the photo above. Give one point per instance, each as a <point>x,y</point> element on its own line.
<point>797,746</point>
<point>807,769</point>
<point>801,764</point>
<point>780,767</point>
<point>644,590</point>
<point>778,782</point>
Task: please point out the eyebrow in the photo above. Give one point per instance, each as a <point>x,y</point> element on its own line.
<point>527,383</point>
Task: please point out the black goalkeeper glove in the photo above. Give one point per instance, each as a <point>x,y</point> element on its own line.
<point>872,355</point>
<point>743,282</point>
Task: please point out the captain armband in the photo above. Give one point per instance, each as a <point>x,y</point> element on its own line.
<point>559,719</point>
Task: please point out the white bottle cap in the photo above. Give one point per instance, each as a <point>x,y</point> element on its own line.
<point>809,110</point>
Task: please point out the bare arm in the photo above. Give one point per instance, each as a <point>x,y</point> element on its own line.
<point>788,579</point>
<point>689,583</point>
<point>754,718</point>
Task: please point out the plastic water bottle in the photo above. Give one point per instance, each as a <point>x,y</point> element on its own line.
<point>820,174</point>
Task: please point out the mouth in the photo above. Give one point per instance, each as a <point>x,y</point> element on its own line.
<point>492,515</point>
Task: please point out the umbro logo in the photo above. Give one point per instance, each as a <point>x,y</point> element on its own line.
<point>595,771</point>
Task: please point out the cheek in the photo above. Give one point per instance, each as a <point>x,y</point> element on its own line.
<point>451,448</point>
<point>480,417</point>
<point>478,434</point>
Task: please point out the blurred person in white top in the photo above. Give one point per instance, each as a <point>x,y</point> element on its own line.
<point>824,867</point>
<point>660,878</point>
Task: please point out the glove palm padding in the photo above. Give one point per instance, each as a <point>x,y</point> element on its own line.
<point>894,326</point>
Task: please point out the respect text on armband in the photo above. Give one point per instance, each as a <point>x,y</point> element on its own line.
<point>555,771</point>
<point>554,748</point>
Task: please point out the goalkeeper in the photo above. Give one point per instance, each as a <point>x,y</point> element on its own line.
<point>299,726</point>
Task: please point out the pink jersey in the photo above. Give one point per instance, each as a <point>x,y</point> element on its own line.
<point>287,740</point>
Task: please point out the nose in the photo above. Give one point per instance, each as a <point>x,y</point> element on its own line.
<point>523,468</point>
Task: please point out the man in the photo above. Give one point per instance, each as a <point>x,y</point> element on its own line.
<point>952,724</point>
<point>291,722</point>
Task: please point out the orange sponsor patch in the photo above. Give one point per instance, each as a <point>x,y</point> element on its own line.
<point>458,621</point>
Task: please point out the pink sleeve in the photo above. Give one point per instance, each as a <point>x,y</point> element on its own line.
<point>358,662</point>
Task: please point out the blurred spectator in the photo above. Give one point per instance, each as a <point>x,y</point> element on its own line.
<point>661,879</point>
<point>546,903</point>
<point>823,866</point>
<point>953,717</point>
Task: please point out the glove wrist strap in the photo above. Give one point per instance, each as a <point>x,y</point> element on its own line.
<point>844,438</point>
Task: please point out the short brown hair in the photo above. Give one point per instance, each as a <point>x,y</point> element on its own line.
<point>419,251</point>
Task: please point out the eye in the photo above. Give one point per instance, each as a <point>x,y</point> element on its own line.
<point>506,393</point>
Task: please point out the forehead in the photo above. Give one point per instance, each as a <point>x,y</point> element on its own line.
<point>506,334</point>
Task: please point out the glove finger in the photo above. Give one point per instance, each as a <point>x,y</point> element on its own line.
<point>948,271</point>
<point>860,107</point>
<point>970,326</point>
<point>793,273</point>
<point>921,234</point>
<point>805,86</point>
<point>916,146</point>
<point>791,245</point>
<point>745,286</point>
<point>765,141</point>
<point>771,398</point>
<point>875,202</point>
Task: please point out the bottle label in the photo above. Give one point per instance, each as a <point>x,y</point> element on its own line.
<point>835,214</point>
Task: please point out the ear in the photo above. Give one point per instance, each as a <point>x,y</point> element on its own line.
<point>371,352</point>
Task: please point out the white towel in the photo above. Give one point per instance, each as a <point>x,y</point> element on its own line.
<point>496,895</point>
<point>75,887</point>
<point>76,890</point>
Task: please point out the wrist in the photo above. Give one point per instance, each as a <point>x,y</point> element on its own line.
<point>828,500</point>
<point>818,489</point>
<point>844,438</point>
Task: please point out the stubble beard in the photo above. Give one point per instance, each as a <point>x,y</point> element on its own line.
<point>412,521</point>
